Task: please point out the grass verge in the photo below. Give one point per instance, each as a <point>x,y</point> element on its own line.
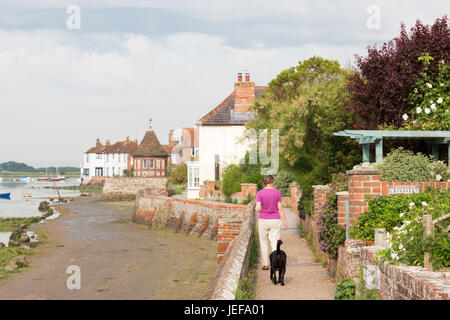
<point>9,224</point>
<point>6,255</point>
<point>246,287</point>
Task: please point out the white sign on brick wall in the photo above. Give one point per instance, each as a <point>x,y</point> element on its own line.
<point>403,190</point>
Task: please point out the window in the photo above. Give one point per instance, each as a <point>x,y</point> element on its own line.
<point>113,171</point>
<point>87,157</point>
<point>107,157</point>
<point>86,172</point>
<point>151,164</point>
<point>145,164</point>
<point>99,155</point>
<point>158,164</point>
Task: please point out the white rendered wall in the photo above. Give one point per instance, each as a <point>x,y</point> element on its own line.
<point>111,164</point>
<point>226,141</point>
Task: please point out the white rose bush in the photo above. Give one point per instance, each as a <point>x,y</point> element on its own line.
<point>430,99</point>
<point>406,243</point>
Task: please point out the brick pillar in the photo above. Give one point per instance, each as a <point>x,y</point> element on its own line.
<point>208,187</point>
<point>295,194</point>
<point>320,195</point>
<point>341,198</point>
<point>363,185</point>
<point>248,188</point>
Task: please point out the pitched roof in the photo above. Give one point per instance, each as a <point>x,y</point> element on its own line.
<point>126,146</point>
<point>121,147</point>
<point>150,146</point>
<point>224,113</point>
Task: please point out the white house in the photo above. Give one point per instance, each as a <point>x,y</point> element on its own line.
<point>221,135</point>
<point>108,160</point>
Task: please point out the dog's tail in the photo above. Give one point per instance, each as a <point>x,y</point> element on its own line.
<point>279,243</point>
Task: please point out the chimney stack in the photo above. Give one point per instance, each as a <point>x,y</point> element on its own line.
<point>98,143</point>
<point>244,93</point>
<point>108,142</point>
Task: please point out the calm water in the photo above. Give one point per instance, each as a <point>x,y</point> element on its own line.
<point>20,206</point>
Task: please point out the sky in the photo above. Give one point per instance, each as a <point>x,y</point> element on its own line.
<point>74,71</point>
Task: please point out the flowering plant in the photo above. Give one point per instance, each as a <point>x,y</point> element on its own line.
<point>406,243</point>
<point>331,235</point>
<point>430,99</point>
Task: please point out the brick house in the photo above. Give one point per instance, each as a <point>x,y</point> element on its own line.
<point>150,158</point>
<point>183,145</point>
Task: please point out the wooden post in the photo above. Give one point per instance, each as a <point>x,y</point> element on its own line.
<point>366,152</point>
<point>427,232</point>
<point>379,150</point>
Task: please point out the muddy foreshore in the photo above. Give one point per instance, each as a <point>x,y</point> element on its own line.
<point>118,259</point>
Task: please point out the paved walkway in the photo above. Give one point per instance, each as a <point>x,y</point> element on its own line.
<point>305,279</point>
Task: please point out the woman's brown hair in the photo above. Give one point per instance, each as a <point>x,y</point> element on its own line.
<point>268,179</point>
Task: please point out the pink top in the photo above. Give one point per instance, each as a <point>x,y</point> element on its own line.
<point>269,199</point>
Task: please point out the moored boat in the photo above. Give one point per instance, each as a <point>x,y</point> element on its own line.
<point>25,179</point>
<point>5,195</point>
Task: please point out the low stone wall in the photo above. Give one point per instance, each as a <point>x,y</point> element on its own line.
<point>93,182</point>
<point>126,188</point>
<point>201,218</point>
<point>392,282</point>
<point>235,263</point>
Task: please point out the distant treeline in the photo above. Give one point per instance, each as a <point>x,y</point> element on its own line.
<point>21,167</point>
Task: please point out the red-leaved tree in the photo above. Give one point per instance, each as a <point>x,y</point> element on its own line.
<point>382,82</point>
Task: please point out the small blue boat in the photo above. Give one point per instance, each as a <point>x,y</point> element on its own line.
<point>5,195</point>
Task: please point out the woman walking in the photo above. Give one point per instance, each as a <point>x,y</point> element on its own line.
<point>268,203</point>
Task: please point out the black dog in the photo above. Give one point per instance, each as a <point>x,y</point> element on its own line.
<point>278,262</point>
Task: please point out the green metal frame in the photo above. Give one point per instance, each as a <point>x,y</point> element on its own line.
<point>368,137</point>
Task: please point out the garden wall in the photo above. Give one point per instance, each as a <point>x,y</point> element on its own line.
<point>392,282</point>
<point>208,191</point>
<point>235,263</point>
<point>364,185</point>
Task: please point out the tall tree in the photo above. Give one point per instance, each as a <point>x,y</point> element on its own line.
<point>306,104</point>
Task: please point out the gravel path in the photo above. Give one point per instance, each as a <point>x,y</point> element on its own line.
<point>305,279</point>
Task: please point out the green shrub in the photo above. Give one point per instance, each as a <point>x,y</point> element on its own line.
<point>331,235</point>
<point>404,165</point>
<point>401,216</point>
<point>440,171</point>
<point>231,179</point>
<point>177,176</point>
<point>345,290</point>
<point>283,180</point>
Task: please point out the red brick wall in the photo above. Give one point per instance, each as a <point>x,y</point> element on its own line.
<point>342,197</point>
<point>363,185</point>
<point>422,185</point>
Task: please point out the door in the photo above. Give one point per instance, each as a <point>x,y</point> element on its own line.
<point>99,172</point>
